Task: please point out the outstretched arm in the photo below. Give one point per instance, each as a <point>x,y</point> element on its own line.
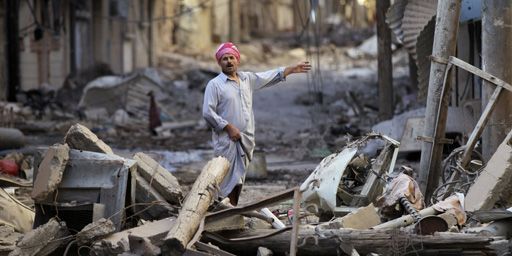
<point>301,67</point>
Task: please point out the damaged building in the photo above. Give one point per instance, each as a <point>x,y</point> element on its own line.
<point>398,141</point>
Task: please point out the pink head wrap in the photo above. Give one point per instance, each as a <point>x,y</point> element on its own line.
<point>225,48</point>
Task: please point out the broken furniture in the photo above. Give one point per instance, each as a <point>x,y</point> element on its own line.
<point>93,186</point>
<point>344,181</point>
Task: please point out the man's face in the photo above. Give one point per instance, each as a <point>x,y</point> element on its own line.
<point>228,63</point>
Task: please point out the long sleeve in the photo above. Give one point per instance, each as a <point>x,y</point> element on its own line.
<point>267,78</point>
<point>210,103</point>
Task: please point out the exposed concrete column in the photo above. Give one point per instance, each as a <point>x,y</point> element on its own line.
<point>445,42</point>
<point>385,70</point>
<point>496,55</point>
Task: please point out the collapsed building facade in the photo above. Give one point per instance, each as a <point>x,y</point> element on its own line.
<point>358,200</point>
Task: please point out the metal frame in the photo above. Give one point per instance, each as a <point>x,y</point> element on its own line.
<point>484,117</point>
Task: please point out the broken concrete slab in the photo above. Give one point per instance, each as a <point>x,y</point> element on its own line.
<point>362,218</point>
<point>8,239</point>
<point>143,246</point>
<point>159,178</point>
<point>15,214</point>
<point>81,138</point>
<point>95,230</point>
<point>50,171</point>
<point>263,251</point>
<point>149,204</point>
<point>43,240</point>
<point>493,185</point>
<point>118,243</point>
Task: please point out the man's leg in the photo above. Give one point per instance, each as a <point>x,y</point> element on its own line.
<point>235,194</point>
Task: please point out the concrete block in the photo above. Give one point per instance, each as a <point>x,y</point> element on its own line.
<point>159,178</point>
<point>262,251</point>
<point>118,243</point>
<point>43,240</point>
<point>97,229</point>
<point>50,171</point>
<point>494,184</point>
<point>149,203</point>
<point>81,138</point>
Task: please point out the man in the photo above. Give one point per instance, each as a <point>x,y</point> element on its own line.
<point>227,108</point>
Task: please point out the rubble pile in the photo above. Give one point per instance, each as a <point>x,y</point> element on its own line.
<point>356,201</point>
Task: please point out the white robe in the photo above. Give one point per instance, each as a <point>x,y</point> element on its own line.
<point>225,102</point>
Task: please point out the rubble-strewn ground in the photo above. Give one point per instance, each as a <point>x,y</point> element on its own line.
<point>293,126</point>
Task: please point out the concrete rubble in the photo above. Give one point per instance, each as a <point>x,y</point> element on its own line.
<point>493,184</point>
<point>159,178</point>
<point>50,171</point>
<point>101,155</point>
<point>95,231</point>
<point>81,138</point>
<point>43,240</point>
<point>345,185</point>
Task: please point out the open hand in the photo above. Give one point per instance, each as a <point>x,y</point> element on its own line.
<point>301,67</point>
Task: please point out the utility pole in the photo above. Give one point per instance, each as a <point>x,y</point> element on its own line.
<point>385,70</point>
<point>496,53</point>
<point>445,42</point>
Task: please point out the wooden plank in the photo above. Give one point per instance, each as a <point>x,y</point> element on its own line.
<point>482,74</point>
<point>327,242</point>
<point>297,195</point>
<point>479,128</point>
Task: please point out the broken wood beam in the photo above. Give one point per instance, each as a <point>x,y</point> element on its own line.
<point>445,42</point>
<point>383,242</point>
<point>194,208</point>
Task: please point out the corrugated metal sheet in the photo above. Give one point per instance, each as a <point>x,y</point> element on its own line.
<point>413,23</point>
<point>394,17</point>
<point>416,16</point>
